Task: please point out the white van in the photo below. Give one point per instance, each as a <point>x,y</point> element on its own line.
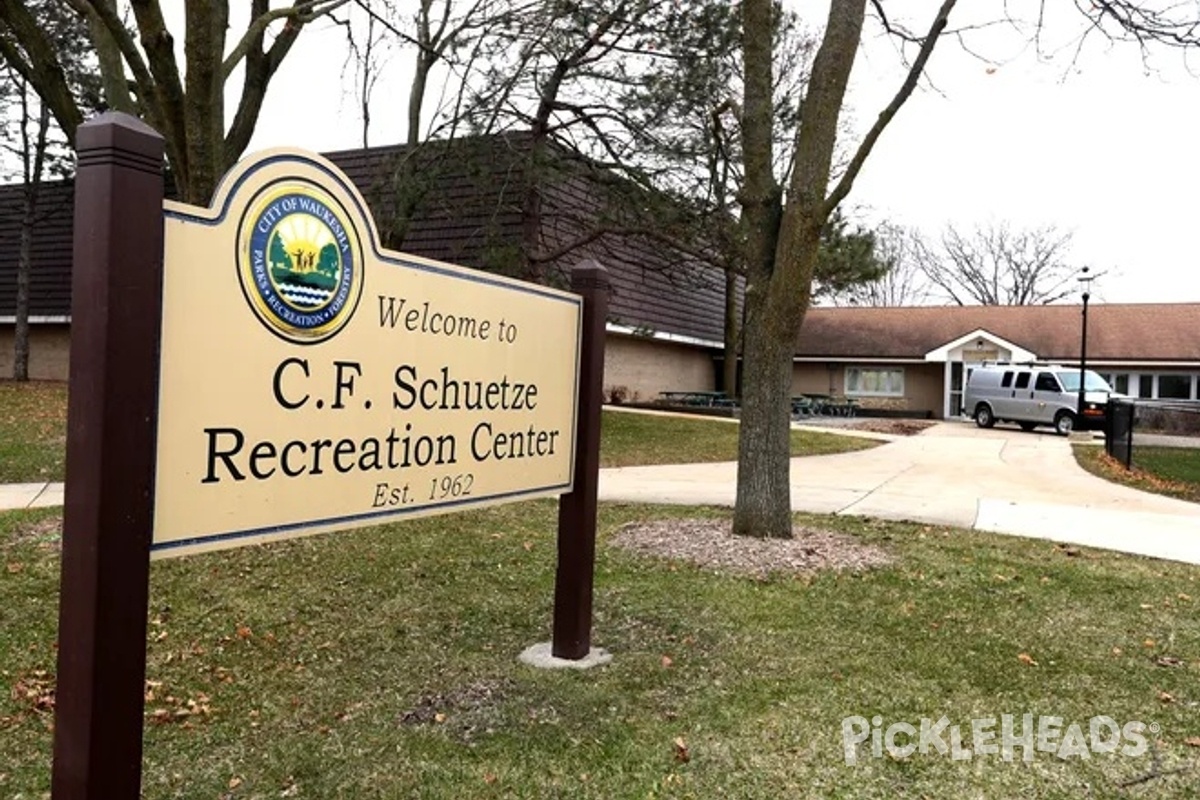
<point>1035,394</point>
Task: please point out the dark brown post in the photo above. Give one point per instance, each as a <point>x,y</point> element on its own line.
<point>577,510</point>
<point>116,306</point>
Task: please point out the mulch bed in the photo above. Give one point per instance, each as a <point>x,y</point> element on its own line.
<point>895,427</point>
<point>710,543</point>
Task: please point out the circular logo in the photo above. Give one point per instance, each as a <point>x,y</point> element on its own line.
<point>300,262</point>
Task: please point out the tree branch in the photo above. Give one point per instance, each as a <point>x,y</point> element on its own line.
<point>906,89</point>
<point>112,64</point>
<point>298,15</point>
<point>40,65</point>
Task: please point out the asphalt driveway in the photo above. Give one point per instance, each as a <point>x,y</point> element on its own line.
<point>1002,480</point>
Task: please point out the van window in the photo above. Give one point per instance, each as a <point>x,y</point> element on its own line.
<point>1023,380</point>
<point>1046,383</point>
<point>1006,381</point>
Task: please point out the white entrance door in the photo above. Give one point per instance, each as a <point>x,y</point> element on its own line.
<point>961,365</point>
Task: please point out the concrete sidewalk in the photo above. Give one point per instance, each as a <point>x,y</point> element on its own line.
<point>1006,481</point>
<point>30,495</point>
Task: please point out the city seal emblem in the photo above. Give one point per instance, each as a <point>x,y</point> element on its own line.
<point>300,262</point>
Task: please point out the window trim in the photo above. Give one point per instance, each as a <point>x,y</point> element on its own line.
<point>861,393</point>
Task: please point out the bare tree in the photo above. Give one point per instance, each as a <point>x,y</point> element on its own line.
<point>782,229</point>
<point>782,220</point>
<point>996,265</point>
<point>32,144</point>
<point>142,74</point>
<point>445,33</point>
<point>28,134</point>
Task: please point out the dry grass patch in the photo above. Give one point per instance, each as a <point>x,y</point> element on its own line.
<point>710,544</point>
<point>45,532</point>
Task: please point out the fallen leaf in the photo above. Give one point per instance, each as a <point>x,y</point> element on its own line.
<point>1116,651</point>
<point>489,777</point>
<point>244,632</point>
<point>1184,597</point>
<point>1026,659</point>
<point>1165,697</point>
<point>1192,741</point>
<point>235,782</point>
<point>1168,661</point>
<point>527,545</point>
<point>666,661</point>
<point>1148,643</point>
<point>681,751</point>
<point>14,567</point>
<point>439,717</point>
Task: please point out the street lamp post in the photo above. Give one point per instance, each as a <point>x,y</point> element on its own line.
<point>1086,280</point>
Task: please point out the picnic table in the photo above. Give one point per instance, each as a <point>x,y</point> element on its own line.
<point>808,405</point>
<point>697,398</point>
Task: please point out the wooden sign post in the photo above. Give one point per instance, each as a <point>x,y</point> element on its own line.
<point>577,509</point>
<point>260,369</point>
<point>116,294</point>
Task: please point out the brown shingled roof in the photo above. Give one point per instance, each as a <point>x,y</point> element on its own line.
<point>50,278</point>
<point>470,214</point>
<point>1116,332</point>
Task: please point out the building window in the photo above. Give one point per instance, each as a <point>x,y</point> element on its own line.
<point>1175,387</point>
<point>1120,383</point>
<point>1145,386</point>
<point>875,381</point>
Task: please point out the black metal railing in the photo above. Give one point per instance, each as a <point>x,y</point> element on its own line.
<point>1132,424</point>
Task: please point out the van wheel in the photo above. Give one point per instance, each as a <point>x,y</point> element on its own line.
<point>983,416</point>
<point>1064,423</point>
<point>1027,426</point>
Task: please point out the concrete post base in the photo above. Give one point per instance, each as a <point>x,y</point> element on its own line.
<point>539,655</point>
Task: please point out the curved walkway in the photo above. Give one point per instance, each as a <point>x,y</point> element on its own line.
<point>1006,481</point>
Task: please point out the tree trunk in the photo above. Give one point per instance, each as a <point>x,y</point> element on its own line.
<point>763,490</point>
<point>24,268</point>
<point>425,59</point>
<point>33,183</point>
<point>203,99</point>
<point>729,371</point>
<point>764,506</point>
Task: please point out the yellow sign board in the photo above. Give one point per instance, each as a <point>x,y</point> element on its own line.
<point>311,381</point>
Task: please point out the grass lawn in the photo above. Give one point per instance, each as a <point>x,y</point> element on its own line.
<point>33,431</point>
<point>1173,471</point>
<point>628,439</point>
<point>33,422</point>
<point>382,664</point>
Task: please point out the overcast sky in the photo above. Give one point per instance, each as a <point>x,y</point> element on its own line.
<point>1107,150</point>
